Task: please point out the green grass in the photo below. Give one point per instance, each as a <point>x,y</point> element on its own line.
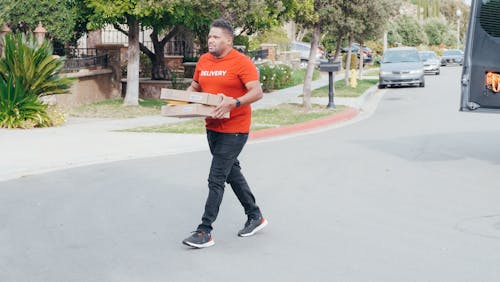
<point>298,77</point>
<point>114,108</point>
<point>284,114</point>
<point>342,91</point>
<point>371,72</point>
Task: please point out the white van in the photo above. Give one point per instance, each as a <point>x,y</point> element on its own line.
<point>481,65</point>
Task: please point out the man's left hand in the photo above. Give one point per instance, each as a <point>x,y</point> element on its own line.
<point>226,105</point>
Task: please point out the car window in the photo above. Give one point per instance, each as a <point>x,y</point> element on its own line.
<point>400,56</point>
<point>452,53</point>
<point>428,55</point>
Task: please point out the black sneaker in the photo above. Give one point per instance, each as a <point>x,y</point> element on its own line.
<point>199,239</point>
<point>252,226</point>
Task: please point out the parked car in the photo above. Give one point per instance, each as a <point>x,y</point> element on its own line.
<point>304,48</point>
<point>431,62</point>
<point>401,66</point>
<point>367,52</point>
<point>452,57</point>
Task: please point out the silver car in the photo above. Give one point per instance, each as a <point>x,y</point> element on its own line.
<point>431,62</point>
<point>452,57</point>
<point>401,66</point>
<point>304,49</point>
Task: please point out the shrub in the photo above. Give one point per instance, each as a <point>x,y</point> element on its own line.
<point>19,108</point>
<point>439,32</point>
<point>410,31</point>
<point>27,73</point>
<point>276,35</point>
<point>242,40</point>
<point>274,76</point>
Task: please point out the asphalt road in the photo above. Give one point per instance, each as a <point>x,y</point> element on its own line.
<point>408,194</point>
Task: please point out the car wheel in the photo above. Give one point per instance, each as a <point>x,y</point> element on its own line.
<point>381,86</point>
<point>422,84</point>
<point>438,72</point>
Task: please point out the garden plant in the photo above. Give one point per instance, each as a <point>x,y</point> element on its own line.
<point>29,71</point>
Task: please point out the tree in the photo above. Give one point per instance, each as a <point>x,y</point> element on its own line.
<point>372,21</point>
<point>168,17</point>
<point>130,13</point>
<point>439,32</point>
<point>448,9</point>
<point>315,14</point>
<point>247,17</point>
<point>409,30</point>
<point>427,9</point>
<point>64,20</point>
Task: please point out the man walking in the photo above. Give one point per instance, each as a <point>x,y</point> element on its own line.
<point>226,72</point>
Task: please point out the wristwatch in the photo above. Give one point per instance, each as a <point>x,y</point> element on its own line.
<point>238,103</point>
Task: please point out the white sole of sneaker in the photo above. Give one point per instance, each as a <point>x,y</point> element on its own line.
<point>258,228</point>
<point>199,246</point>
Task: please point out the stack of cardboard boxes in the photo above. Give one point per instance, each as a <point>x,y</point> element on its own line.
<point>189,104</point>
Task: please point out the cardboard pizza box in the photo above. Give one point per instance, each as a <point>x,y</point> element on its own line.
<point>191,96</point>
<point>189,110</point>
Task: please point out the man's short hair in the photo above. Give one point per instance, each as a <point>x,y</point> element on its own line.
<point>225,25</point>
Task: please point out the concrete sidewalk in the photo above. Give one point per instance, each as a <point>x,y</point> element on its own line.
<point>83,142</point>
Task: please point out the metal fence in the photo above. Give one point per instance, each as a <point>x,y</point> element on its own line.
<point>78,58</point>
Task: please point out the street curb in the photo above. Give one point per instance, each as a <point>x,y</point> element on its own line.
<point>344,115</point>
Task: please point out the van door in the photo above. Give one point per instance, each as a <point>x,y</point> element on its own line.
<point>481,69</point>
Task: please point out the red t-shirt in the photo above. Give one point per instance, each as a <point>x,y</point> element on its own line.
<point>227,75</point>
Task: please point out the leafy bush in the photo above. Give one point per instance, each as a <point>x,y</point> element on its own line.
<point>439,32</point>
<point>407,31</point>
<point>242,40</point>
<point>18,108</point>
<point>276,35</point>
<point>376,46</point>
<point>27,73</point>
<point>274,76</point>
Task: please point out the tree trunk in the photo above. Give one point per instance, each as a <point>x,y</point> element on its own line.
<point>419,5</point>
<point>338,47</point>
<point>132,95</point>
<point>310,67</point>
<point>301,33</point>
<point>159,69</point>
<point>426,9</point>
<point>348,63</point>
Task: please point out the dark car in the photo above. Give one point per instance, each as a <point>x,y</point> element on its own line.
<point>452,57</point>
<point>368,53</point>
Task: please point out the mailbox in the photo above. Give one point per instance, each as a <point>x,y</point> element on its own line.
<point>330,66</point>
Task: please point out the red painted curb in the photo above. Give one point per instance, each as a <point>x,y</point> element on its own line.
<point>287,129</point>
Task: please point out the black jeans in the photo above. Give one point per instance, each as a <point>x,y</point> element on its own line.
<point>225,148</point>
